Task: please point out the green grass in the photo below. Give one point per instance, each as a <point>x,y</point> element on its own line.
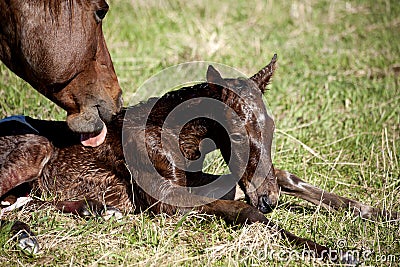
<point>336,91</point>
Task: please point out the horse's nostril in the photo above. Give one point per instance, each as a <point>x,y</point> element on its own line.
<point>104,112</point>
<point>265,204</point>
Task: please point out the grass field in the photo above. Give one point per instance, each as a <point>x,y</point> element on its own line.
<point>335,99</point>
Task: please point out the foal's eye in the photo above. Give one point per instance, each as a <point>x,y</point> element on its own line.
<point>101,13</point>
<point>237,137</point>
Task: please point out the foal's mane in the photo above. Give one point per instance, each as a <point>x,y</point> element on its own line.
<point>53,8</point>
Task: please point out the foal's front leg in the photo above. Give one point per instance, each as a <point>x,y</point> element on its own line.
<point>242,213</point>
<point>238,212</point>
<point>223,186</point>
<point>290,184</point>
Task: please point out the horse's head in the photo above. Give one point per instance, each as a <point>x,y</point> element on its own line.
<point>251,132</point>
<point>59,48</point>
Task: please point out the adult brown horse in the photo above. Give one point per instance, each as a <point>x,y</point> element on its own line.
<point>58,47</point>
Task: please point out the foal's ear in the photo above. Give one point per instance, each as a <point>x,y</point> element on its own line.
<point>214,77</point>
<point>263,77</point>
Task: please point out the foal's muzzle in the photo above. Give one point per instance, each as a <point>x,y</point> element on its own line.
<point>266,204</point>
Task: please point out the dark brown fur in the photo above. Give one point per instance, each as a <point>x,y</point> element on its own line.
<point>58,47</point>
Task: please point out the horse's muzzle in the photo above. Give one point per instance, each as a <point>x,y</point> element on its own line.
<point>87,121</point>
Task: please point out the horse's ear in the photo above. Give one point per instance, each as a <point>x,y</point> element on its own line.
<point>214,77</point>
<point>263,77</point>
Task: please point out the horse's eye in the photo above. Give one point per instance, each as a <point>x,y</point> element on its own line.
<point>101,13</point>
<point>237,137</point>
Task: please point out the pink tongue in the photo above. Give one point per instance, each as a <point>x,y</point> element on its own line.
<point>94,140</point>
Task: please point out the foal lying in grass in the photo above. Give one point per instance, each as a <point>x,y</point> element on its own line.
<point>153,162</point>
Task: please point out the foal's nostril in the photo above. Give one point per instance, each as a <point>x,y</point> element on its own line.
<point>265,205</point>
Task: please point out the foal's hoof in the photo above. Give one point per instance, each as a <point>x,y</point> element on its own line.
<point>25,239</point>
<point>93,208</point>
<point>28,243</point>
<point>111,212</point>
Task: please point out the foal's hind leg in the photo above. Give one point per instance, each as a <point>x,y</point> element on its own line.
<point>27,241</point>
<point>292,185</point>
<point>22,158</point>
<point>85,208</point>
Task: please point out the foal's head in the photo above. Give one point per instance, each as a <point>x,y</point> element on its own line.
<point>250,130</point>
